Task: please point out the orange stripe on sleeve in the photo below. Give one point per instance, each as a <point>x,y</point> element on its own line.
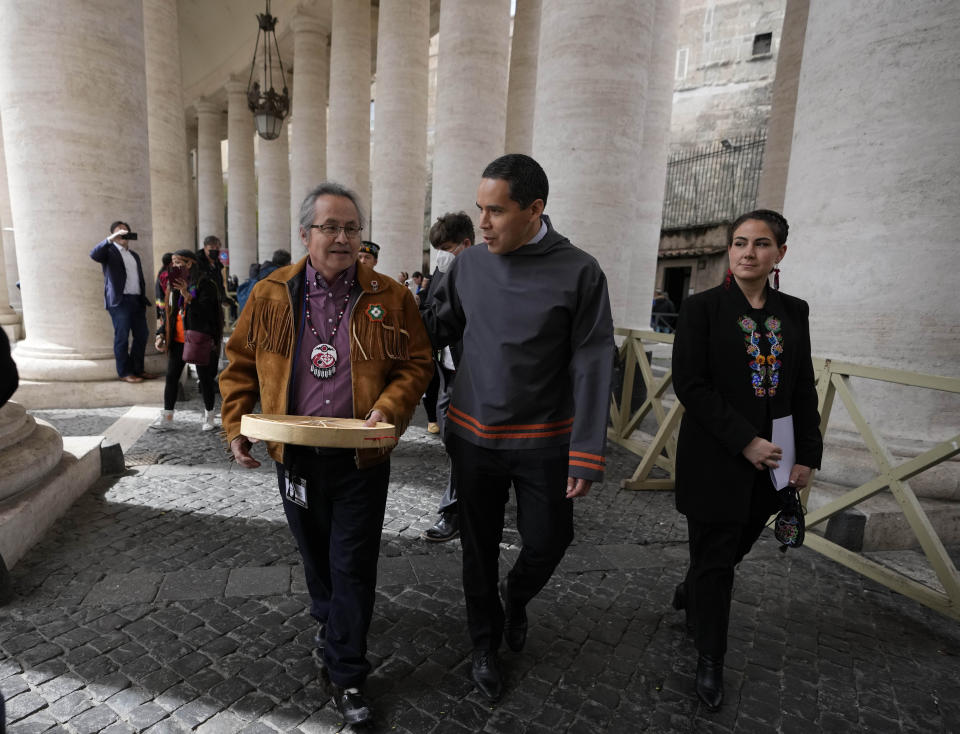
<point>591,457</point>
<point>574,462</point>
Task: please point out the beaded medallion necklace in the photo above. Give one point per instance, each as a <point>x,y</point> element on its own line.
<point>323,358</point>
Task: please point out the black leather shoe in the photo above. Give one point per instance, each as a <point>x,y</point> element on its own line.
<point>446,528</point>
<point>485,674</point>
<point>710,681</point>
<point>515,620</point>
<point>351,705</point>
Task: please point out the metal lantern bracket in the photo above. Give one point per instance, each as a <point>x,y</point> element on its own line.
<point>269,107</point>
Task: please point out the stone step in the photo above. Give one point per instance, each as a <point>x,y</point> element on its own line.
<point>878,524</point>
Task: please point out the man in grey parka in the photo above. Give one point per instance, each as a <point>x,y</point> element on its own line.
<point>530,402</point>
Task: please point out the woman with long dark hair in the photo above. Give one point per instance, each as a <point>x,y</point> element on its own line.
<point>192,304</point>
<point>741,359</point>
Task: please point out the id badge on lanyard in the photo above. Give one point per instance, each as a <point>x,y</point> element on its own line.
<point>296,490</point>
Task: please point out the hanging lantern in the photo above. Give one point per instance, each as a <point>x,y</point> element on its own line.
<point>269,107</point>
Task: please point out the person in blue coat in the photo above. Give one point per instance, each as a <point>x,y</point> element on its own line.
<point>124,297</point>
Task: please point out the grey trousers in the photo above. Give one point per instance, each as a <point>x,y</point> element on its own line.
<point>448,503</point>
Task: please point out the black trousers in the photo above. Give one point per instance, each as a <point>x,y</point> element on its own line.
<point>338,535</point>
<point>175,365</point>
<point>544,519</point>
<point>448,503</point>
<point>715,550</point>
<point>430,397</point>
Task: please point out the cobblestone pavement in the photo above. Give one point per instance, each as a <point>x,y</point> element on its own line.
<point>171,599</point>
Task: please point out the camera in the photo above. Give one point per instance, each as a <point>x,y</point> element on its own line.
<point>129,236</point>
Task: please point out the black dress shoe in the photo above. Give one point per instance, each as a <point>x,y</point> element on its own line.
<point>446,528</point>
<point>485,674</point>
<point>515,620</point>
<point>351,705</point>
<point>710,681</point>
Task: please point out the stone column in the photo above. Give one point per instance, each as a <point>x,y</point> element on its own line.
<point>241,184</point>
<point>29,449</point>
<point>169,181</point>
<point>776,152</point>
<point>523,77</point>
<point>30,498</point>
<point>80,160</point>
<point>400,134</point>
<point>192,136</point>
<point>9,318</point>
<point>471,99</point>
<point>308,125</point>
<point>273,195</point>
<point>871,196</point>
<point>348,132</point>
<point>644,246</point>
<point>588,130</point>
<point>209,171</point>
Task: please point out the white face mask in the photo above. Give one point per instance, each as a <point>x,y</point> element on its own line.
<point>444,260</point>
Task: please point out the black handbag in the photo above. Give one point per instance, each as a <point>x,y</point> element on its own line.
<point>789,527</point>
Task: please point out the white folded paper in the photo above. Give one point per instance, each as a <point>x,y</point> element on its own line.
<point>783,437</point>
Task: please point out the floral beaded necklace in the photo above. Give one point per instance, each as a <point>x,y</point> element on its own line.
<point>323,358</point>
<point>765,369</point>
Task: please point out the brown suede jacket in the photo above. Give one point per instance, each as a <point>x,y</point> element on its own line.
<point>390,357</point>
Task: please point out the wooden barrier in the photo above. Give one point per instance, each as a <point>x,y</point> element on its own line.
<point>833,380</point>
<point>663,449</point>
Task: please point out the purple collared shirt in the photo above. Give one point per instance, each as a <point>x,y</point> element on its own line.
<point>332,396</point>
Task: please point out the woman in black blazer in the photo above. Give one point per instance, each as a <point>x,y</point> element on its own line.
<point>741,358</point>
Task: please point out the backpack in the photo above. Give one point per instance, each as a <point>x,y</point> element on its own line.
<point>243,292</point>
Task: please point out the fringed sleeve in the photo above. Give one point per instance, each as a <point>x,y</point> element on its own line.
<point>270,327</point>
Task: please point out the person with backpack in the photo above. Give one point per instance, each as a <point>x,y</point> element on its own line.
<point>280,259</point>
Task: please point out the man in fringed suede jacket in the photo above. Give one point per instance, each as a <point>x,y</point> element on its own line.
<point>328,336</point>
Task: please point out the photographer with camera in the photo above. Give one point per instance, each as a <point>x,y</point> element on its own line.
<point>124,297</point>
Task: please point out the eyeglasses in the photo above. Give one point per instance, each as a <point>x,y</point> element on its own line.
<point>332,230</point>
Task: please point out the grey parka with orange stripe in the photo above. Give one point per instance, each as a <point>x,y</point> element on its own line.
<point>537,349</point>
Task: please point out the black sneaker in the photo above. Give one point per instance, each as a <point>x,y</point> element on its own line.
<point>446,528</point>
<point>351,705</point>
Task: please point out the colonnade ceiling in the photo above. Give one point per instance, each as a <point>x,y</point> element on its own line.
<point>217,39</point>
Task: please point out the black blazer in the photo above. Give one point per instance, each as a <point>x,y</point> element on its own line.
<point>115,273</point>
<point>724,410</point>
